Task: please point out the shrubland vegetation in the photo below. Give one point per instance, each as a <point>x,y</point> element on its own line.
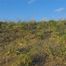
<point>33,43</point>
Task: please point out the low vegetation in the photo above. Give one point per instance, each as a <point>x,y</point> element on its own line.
<point>33,43</point>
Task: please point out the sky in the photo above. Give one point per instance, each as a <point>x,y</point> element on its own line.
<point>32,9</point>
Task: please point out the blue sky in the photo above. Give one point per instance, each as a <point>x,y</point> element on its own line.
<point>32,9</point>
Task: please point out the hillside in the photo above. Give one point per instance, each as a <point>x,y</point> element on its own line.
<point>33,43</point>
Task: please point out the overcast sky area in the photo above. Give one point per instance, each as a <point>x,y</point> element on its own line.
<point>32,9</point>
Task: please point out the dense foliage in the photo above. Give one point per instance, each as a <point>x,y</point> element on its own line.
<point>33,43</point>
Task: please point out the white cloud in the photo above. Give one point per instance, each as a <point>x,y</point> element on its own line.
<point>59,10</point>
<point>31,1</point>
